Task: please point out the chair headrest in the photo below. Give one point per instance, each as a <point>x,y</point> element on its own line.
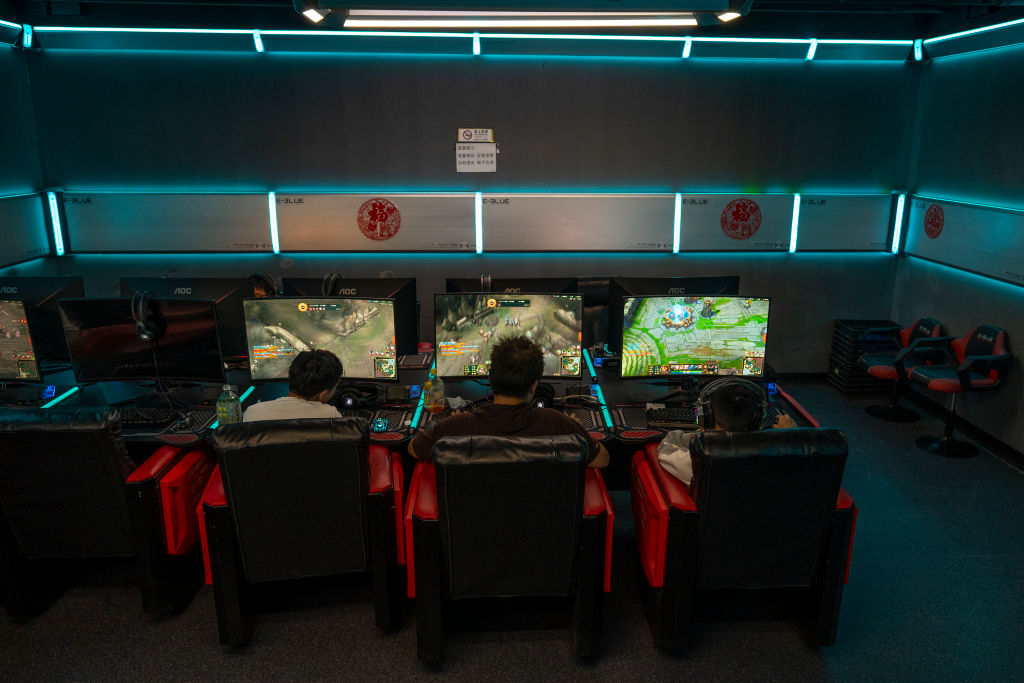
<point>243,435</point>
<point>58,418</point>
<point>781,442</point>
<point>985,340</point>
<point>490,450</point>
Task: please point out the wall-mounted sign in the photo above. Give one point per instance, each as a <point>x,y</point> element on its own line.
<point>578,222</point>
<point>844,222</point>
<point>476,157</point>
<point>376,222</point>
<point>475,135</point>
<point>977,238</point>
<point>719,222</point>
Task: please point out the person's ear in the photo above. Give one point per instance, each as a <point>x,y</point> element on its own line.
<point>533,387</point>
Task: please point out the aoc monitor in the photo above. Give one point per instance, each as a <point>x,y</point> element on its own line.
<point>105,344</point>
<point>511,285</point>
<point>467,326</point>
<point>17,355</point>
<point>665,336</point>
<point>41,295</point>
<point>621,287</point>
<point>401,289</point>
<point>225,292</point>
<point>360,332</point>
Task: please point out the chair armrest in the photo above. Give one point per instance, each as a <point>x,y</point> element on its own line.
<point>155,465</point>
<point>930,349</point>
<point>425,505</point>
<point>931,343</point>
<point>985,363</point>
<point>844,501</point>
<point>379,469</point>
<point>423,477</point>
<point>596,502</point>
<point>675,491</point>
<point>214,495</point>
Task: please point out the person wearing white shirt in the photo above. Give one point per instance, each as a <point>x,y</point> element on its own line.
<point>313,378</point>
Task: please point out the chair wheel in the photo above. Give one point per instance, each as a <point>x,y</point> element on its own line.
<point>947,447</point>
<point>891,413</point>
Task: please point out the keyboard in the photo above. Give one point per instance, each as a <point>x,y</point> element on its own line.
<point>678,416</point>
<point>136,417</point>
<point>631,417</point>
<point>587,417</point>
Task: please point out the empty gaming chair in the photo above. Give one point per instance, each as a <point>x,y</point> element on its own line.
<point>69,492</point>
<point>977,362</point>
<point>764,511</point>
<point>896,364</point>
<point>504,517</point>
<point>298,499</point>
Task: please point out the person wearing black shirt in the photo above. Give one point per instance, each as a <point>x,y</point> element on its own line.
<point>517,365</point>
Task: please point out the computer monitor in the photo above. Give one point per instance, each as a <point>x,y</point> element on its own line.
<point>665,336</point>
<point>511,285</point>
<point>41,295</point>
<point>226,292</point>
<point>360,332</point>
<point>467,326</point>
<point>103,339</point>
<point>621,287</point>
<point>401,289</point>
<point>17,355</point>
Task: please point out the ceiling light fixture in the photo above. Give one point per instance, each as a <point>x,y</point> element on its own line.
<point>315,15</point>
<point>729,16</point>
<point>410,19</point>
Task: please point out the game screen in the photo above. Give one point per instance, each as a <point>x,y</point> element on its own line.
<point>467,326</point>
<point>715,335</point>
<point>360,332</point>
<point>17,358</point>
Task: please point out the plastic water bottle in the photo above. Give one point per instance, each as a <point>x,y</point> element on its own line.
<point>434,400</point>
<point>229,408</point>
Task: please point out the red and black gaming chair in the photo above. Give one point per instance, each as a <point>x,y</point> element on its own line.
<point>507,517</point>
<point>299,499</point>
<point>896,364</point>
<point>978,361</point>
<point>765,510</point>
<point>69,493</point>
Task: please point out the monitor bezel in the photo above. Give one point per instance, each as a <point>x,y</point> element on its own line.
<point>344,379</point>
<point>36,360</point>
<point>692,376</point>
<point>578,378</point>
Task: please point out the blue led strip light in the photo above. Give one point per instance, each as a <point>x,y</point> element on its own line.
<point>91,29</point>
<point>918,50</point>
<point>478,209</point>
<point>961,34</point>
<point>8,24</point>
<point>677,221</point>
<point>600,394</point>
<point>476,43</point>
<point>258,40</point>
<point>59,398</point>
<point>812,49</point>
<point>26,36</point>
<point>898,224</point>
<point>419,406</point>
<point>687,47</point>
<point>58,239</point>
<point>796,223</point>
<point>272,208</point>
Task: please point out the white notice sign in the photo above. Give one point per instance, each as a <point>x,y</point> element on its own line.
<point>475,135</point>
<point>476,157</point>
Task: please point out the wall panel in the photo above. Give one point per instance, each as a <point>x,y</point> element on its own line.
<point>19,154</point>
<point>23,227</point>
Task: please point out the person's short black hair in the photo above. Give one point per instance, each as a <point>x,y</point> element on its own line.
<point>516,363</point>
<point>312,372</point>
<point>736,406</point>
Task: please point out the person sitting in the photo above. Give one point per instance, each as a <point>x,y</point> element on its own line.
<point>517,365</point>
<point>726,404</point>
<point>313,378</point>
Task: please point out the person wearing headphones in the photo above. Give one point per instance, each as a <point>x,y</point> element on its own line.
<point>729,404</point>
<point>517,364</point>
<point>313,378</point>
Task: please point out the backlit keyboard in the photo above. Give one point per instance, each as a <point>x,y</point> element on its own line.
<point>672,416</point>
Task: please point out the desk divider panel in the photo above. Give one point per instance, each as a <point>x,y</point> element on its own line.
<point>844,223</point>
<point>985,240</point>
<point>129,222</point>
<point>578,222</point>
<point>736,222</point>
<point>376,222</point>
<point>23,228</point>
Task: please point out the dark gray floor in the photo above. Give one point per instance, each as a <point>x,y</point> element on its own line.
<point>936,592</point>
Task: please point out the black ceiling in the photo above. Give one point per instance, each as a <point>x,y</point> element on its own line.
<point>767,18</point>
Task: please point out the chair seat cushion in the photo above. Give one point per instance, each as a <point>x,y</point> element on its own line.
<point>944,379</point>
<point>880,364</point>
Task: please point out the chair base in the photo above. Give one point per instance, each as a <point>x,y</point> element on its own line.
<point>947,447</point>
<point>892,413</point>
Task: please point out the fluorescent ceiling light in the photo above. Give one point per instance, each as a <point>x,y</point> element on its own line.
<point>812,49</point>
<point>314,16</point>
<point>728,16</point>
<point>362,18</point>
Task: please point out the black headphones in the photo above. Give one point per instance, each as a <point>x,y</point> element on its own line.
<point>266,282</point>
<point>706,412</point>
<point>329,286</point>
<point>544,397</point>
<point>148,329</point>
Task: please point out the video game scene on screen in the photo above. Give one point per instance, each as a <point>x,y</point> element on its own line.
<point>17,359</point>
<point>721,335</point>
<point>361,332</point>
<point>467,326</point>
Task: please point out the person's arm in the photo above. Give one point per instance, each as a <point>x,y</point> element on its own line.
<point>784,422</point>
<point>598,455</point>
<point>601,459</point>
<point>426,445</point>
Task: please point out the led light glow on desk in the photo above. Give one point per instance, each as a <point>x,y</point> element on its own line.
<point>60,398</point>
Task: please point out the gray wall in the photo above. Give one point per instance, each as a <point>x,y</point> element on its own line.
<point>19,153</point>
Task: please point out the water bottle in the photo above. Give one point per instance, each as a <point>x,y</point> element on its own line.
<point>229,408</point>
<point>434,400</point>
